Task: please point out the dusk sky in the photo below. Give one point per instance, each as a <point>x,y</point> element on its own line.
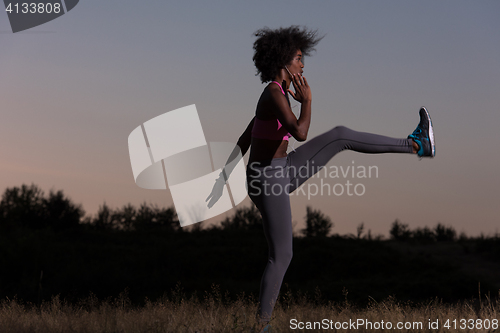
<point>73,89</point>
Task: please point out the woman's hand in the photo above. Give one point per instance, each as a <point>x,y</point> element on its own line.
<point>302,90</point>
<point>217,191</point>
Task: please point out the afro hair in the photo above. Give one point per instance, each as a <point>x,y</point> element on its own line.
<point>276,48</point>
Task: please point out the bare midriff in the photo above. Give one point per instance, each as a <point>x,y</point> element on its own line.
<point>265,149</point>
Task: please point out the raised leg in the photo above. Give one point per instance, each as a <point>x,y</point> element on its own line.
<point>309,158</point>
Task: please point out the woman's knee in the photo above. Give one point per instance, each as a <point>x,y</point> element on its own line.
<point>341,132</point>
<point>284,257</point>
<point>340,129</point>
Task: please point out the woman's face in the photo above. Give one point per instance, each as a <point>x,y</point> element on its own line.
<point>296,65</point>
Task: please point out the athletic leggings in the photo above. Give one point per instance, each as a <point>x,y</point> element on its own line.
<point>270,182</point>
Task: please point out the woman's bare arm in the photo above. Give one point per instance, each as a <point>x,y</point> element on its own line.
<point>297,127</point>
<point>246,138</point>
<point>242,145</point>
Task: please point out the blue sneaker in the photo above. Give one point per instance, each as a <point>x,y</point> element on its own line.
<point>423,135</point>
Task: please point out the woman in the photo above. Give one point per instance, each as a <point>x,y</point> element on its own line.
<point>272,174</point>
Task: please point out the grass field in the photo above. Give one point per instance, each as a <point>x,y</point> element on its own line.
<point>421,280</point>
<point>179,313</point>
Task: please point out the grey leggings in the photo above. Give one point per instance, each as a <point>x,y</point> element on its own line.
<point>270,182</point>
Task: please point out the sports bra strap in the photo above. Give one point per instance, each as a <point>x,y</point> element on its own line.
<point>280,87</point>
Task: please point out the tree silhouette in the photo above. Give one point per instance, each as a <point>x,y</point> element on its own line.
<point>359,230</point>
<point>21,207</point>
<point>400,231</point>
<point>317,224</point>
<point>245,218</point>
<point>444,233</point>
<point>155,218</point>
<point>26,207</point>
<point>439,233</point>
<point>60,213</point>
<point>104,219</point>
<point>424,235</point>
<point>128,218</point>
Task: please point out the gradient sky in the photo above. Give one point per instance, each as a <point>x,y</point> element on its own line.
<point>73,89</point>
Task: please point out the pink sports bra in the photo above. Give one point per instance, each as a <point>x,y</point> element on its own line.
<point>270,129</point>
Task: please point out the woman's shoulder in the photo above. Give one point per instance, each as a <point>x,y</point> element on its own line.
<point>268,101</point>
<point>275,87</point>
<point>271,92</point>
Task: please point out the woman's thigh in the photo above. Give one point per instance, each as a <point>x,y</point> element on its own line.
<point>268,189</point>
<point>309,158</point>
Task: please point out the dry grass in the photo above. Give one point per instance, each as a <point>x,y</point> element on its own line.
<point>180,314</point>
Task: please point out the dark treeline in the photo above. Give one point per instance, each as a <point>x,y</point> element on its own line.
<point>48,247</point>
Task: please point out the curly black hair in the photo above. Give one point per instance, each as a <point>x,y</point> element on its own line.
<point>276,48</point>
